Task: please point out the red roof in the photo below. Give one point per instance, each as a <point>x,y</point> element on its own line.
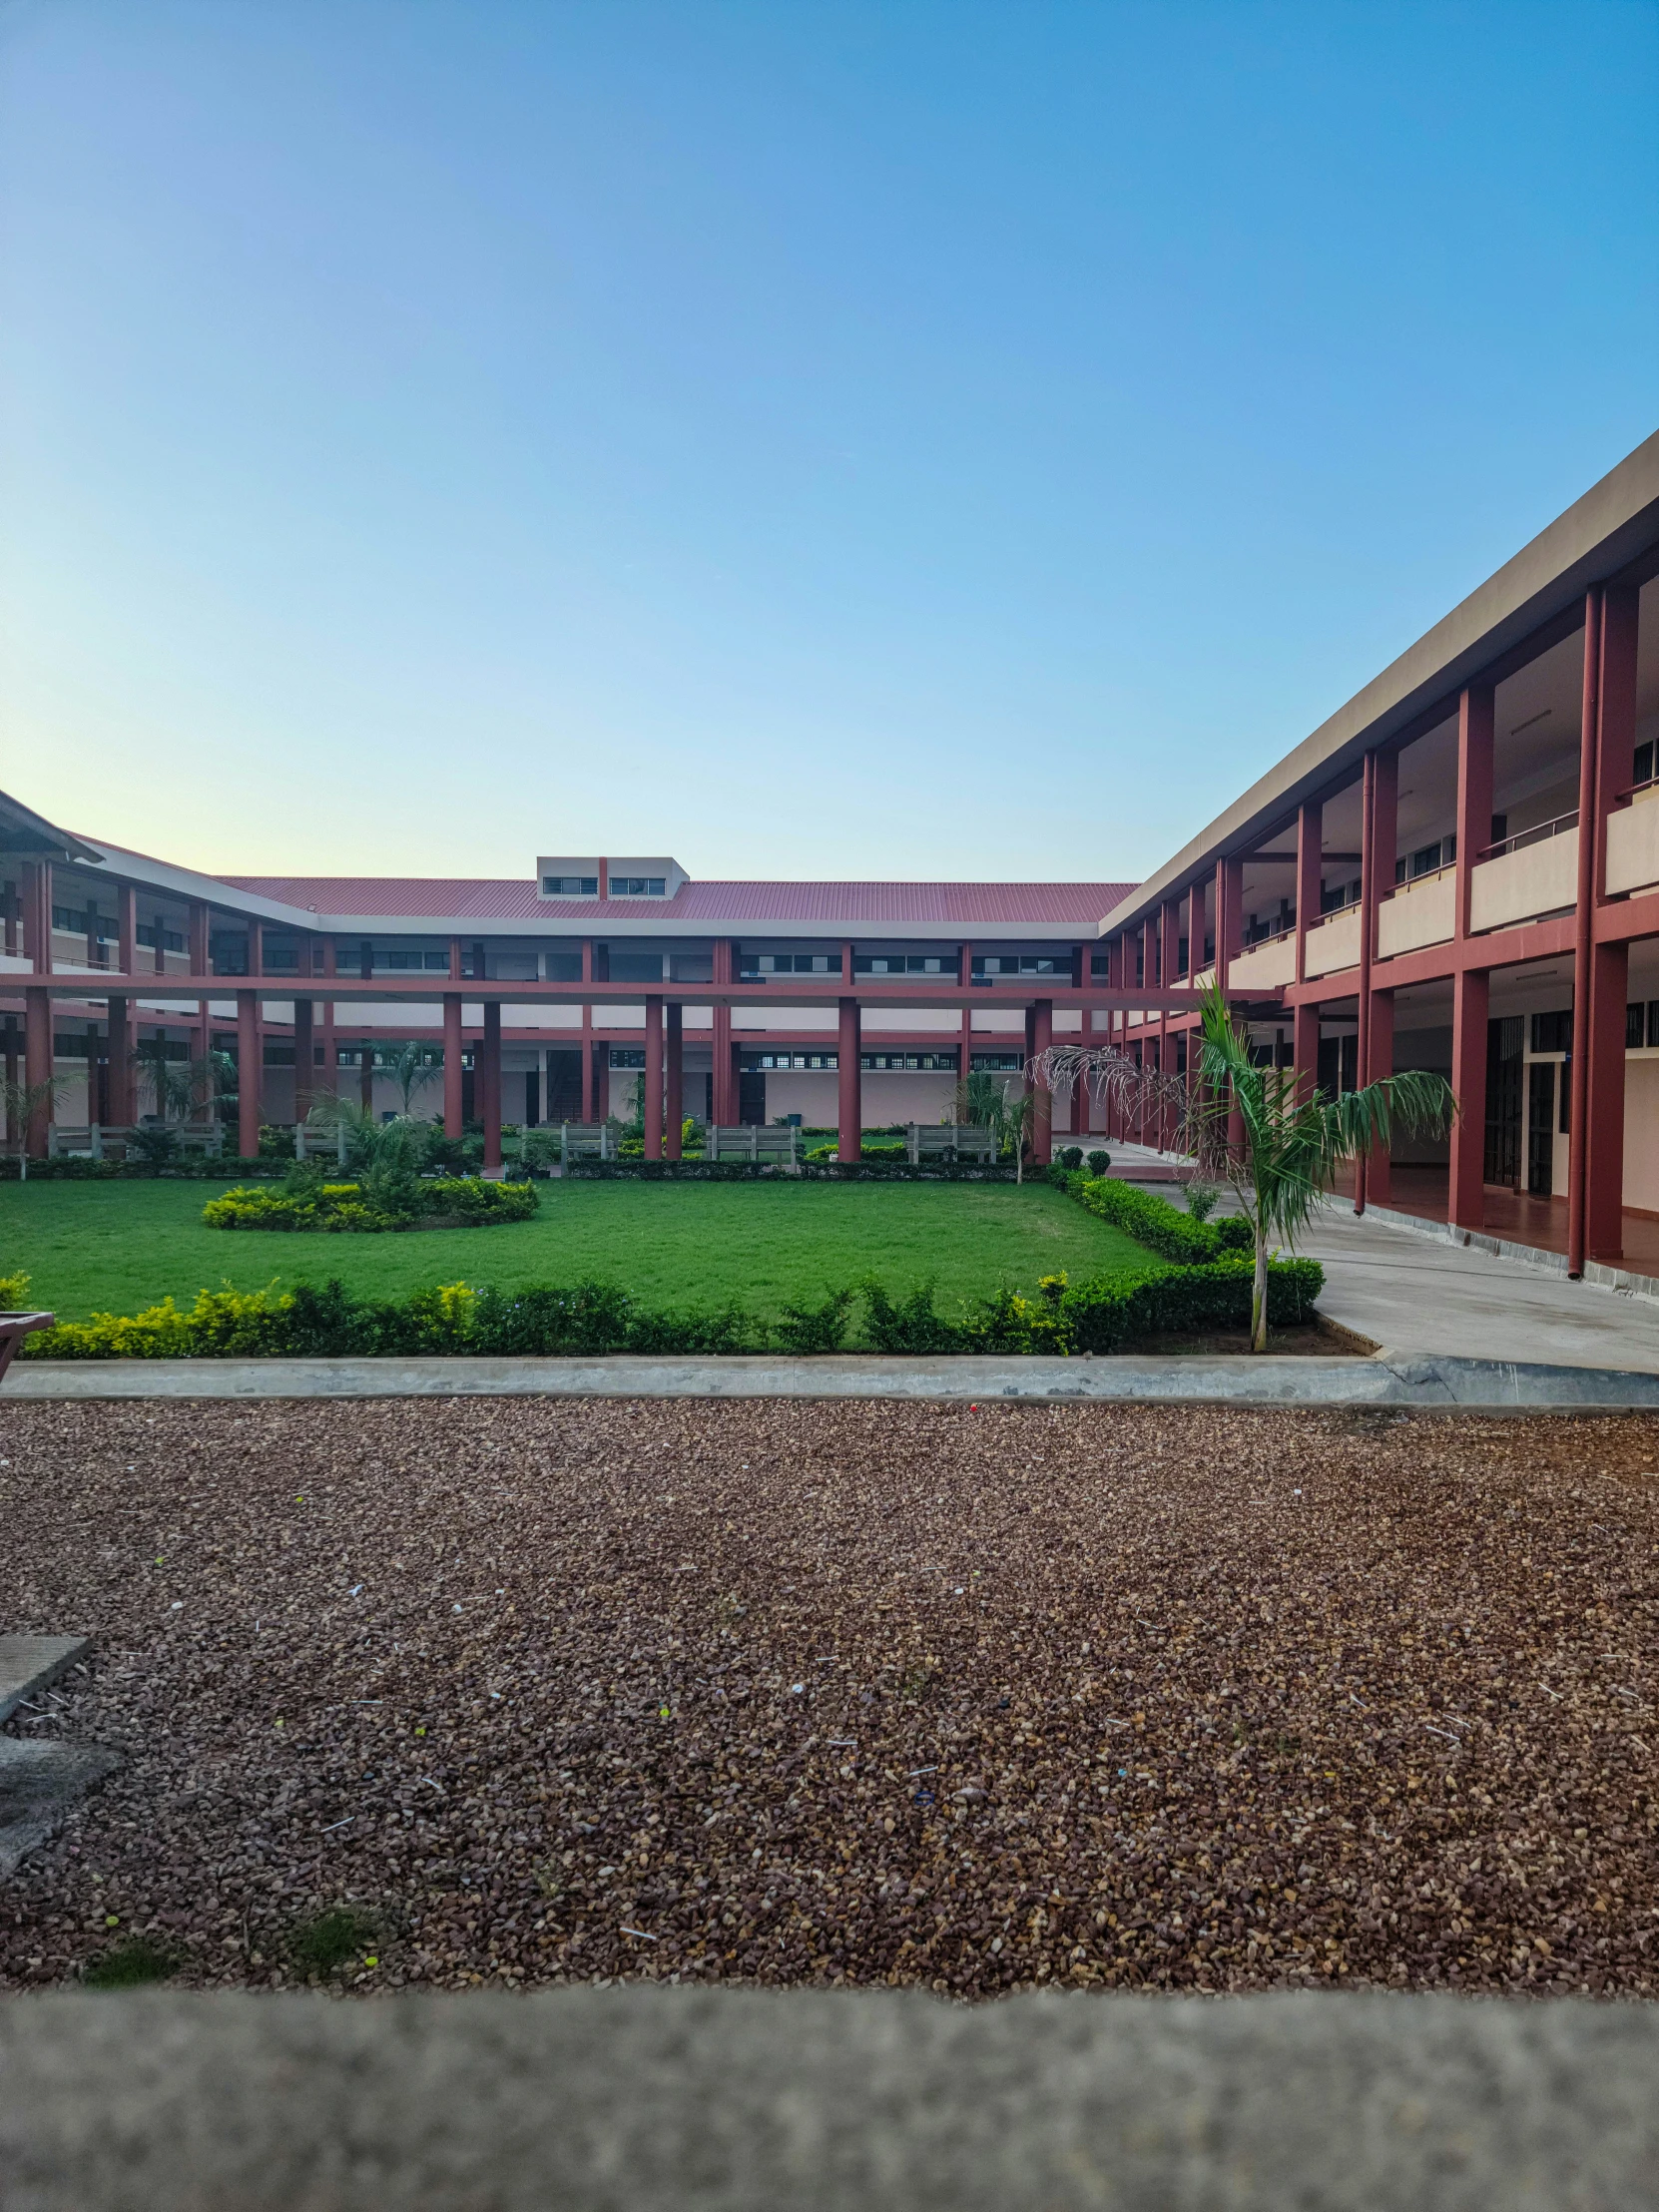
<point>962,905</point>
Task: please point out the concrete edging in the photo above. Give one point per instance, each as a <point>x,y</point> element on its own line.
<point>744,2101</point>
<point>1384,1379</point>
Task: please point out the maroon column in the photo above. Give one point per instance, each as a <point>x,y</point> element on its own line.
<point>849,1117</point>
<point>120,1062</point>
<point>1466,1196</point>
<point>654,1077</point>
<point>304,1058</point>
<point>40,1051</point>
<point>675,1071</point>
<point>452,1052</point>
<point>1378,1170</point>
<point>1042,1099</point>
<point>250,1073</point>
<point>1474,791</point>
<point>489,1082</point>
<point>1602,1157</point>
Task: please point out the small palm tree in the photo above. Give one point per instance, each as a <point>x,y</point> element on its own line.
<point>172,1081</point>
<point>976,1100</point>
<point>1015,1112</point>
<point>410,1071</point>
<point>22,1102</point>
<point>1293,1143</point>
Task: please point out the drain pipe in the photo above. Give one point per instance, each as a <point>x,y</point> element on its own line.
<point>1367,901</point>
<point>1578,1141</point>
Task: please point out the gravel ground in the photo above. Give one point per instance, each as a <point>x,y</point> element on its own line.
<point>977,1699</point>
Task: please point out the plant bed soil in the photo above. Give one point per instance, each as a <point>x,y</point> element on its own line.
<point>1315,1341</point>
<point>972,1698</point>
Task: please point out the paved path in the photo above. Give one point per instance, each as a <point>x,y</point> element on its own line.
<point>1424,1382</point>
<point>1421,1295</point>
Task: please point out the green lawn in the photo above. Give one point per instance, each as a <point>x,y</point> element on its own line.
<point>117,1247</point>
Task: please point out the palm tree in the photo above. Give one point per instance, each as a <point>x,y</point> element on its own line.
<point>976,1100</point>
<point>1293,1143</point>
<point>173,1081</point>
<point>410,1071</point>
<point>22,1102</point>
<point>1015,1112</point>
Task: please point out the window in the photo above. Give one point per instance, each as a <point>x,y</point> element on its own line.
<point>638,886</point>
<point>564,968</point>
<point>753,965</point>
<point>627,1056</point>
<point>760,1063</point>
<point>1553,1032</point>
<point>570,886</point>
<point>1100,966</point>
<point>1653,1021</point>
<point>400,960</point>
<point>171,941</point>
<point>988,966</point>
<point>79,922</point>
<point>909,1063</point>
<point>635,967</point>
<point>1336,897</point>
<point>906,964</point>
<point>279,958</point>
<point>1644,764</point>
<point>996,1063</point>
<point>1635,1027</point>
<point>1425,859</point>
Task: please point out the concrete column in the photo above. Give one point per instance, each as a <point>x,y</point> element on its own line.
<point>724,1103</point>
<point>304,1058</point>
<point>654,1076</point>
<point>849,1119</point>
<point>1378,1169</point>
<point>250,1073</point>
<point>1598,1158</point>
<point>1042,1115</point>
<point>40,1051</point>
<point>125,933</point>
<point>37,916</point>
<point>489,1082</point>
<point>454,959</point>
<point>121,1061</point>
<point>675,1075</point>
<point>196,935</point>
<point>1475,793</point>
<point>1310,833</point>
<point>452,1052</point>
<point>1466,1196</point>
<point>330,1042</point>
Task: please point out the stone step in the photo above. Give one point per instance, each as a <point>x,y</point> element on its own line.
<point>31,1663</point>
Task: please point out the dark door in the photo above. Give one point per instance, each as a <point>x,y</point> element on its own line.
<point>564,1085</point>
<point>532,1099</point>
<point>1504,1042</point>
<point>1540,1129</point>
<point>752,1099</point>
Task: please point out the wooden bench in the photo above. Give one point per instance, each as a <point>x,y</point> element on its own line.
<point>14,1327</point>
<point>752,1142</point>
<point>949,1140</point>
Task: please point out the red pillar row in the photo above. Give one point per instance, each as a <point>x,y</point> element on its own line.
<point>40,1052</point>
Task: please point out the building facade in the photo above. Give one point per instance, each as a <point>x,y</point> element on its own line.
<point>1458,870</point>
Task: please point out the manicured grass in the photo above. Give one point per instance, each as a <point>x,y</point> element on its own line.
<point>119,1247</point>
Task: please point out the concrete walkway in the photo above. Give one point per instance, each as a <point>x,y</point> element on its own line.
<point>758,2100</point>
<point>1417,1294</point>
<point>1424,1382</point>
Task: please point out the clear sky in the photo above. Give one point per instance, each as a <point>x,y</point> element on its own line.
<point>806,438</point>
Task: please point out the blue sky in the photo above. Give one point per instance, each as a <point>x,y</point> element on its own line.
<point>810,440</point>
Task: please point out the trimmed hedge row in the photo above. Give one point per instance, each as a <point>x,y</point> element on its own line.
<point>595,1318</point>
<point>1154,1222</point>
<point>195,1167</point>
<point>334,1209</point>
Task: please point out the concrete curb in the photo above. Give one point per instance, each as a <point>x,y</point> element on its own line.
<point>708,2100</point>
<point>1384,1379</point>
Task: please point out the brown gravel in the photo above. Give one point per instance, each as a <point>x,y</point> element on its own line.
<point>795,1692</point>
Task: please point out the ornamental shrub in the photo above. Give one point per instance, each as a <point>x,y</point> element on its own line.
<point>305,1202</point>
<point>1155,1222</point>
<point>1099,1162</point>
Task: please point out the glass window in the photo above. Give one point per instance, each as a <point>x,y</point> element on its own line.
<point>570,886</point>
<point>638,886</point>
<point>627,1056</point>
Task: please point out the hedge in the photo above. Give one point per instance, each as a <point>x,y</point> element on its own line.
<point>193,1167</point>
<point>1154,1222</point>
<point>431,1202</point>
<point>595,1318</point>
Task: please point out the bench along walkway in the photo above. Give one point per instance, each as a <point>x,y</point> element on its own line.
<point>1426,1382</point>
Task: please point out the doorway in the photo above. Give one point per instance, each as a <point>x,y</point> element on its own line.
<point>1540,1129</point>
<point>1505,1046</point>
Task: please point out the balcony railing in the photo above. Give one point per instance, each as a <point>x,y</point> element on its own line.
<point>1536,836</point>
